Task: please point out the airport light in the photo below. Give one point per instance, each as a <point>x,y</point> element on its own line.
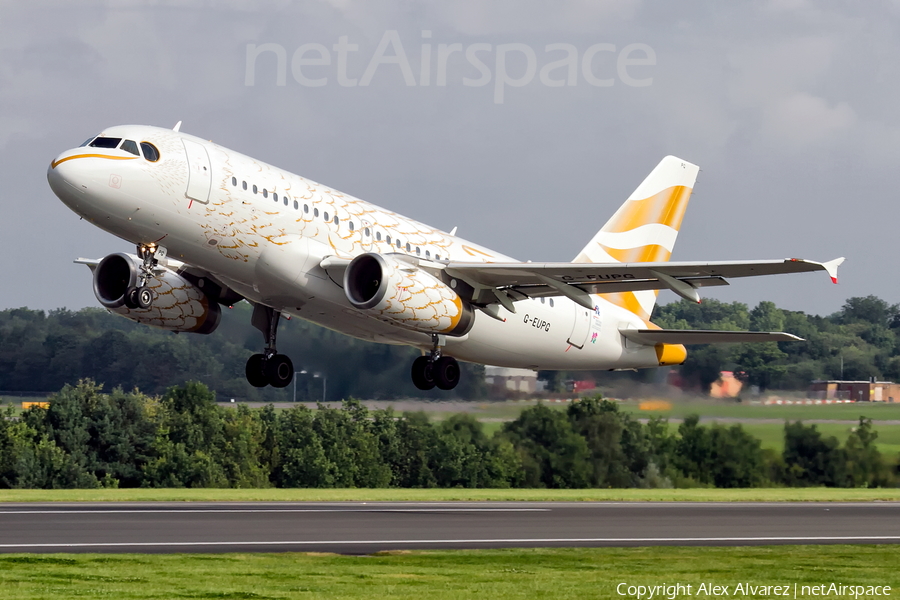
<point>315,376</point>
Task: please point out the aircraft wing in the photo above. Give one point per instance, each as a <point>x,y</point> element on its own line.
<point>652,337</point>
<point>578,280</point>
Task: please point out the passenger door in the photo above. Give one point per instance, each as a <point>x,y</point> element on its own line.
<point>581,326</point>
<point>199,172</point>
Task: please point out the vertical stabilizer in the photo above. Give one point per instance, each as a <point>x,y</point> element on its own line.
<point>645,227</point>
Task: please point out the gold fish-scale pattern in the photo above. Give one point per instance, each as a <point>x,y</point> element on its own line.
<point>177,305</point>
<point>418,301</point>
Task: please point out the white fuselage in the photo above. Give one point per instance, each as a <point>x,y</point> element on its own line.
<point>263,232</point>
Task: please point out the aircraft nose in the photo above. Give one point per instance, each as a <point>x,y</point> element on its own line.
<point>65,178</point>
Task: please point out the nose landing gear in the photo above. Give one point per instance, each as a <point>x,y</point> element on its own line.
<point>141,296</point>
<point>435,369</point>
<point>268,368</point>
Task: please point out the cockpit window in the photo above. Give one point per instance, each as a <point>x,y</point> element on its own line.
<point>130,146</point>
<point>104,142</point>
<point>150,151</point>
<point>87,141</point>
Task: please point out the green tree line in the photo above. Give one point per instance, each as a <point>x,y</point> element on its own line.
<point>86,438</point>
<point>43,351</point>
<point>860,341</point>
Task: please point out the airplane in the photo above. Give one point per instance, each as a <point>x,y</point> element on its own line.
<point>212,227</point>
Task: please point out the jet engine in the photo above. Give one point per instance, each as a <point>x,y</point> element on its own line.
<point>397,291</point>
<point>179,304</point>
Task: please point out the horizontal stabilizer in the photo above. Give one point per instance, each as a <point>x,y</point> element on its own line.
<point>651,337</point>
<point>90,262</point>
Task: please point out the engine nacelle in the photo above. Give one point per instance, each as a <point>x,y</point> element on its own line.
<point>397,291</point>
<point>178,304</point>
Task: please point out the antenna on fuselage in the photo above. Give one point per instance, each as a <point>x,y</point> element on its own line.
<point>453,231</point>
<point>177,126</point>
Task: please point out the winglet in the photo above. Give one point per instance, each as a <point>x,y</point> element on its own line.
<point>831,267</point>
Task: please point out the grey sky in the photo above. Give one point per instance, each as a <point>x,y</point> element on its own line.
<point>788,106</point>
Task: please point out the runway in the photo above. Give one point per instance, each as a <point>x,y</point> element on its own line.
<point>363,528</point>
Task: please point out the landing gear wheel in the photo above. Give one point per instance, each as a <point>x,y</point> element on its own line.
<point>446,372</point>
<point>143,297</point>
<point>423,373</point>
<point>256,371</point>
<point>279,371</point>
<point>131,300</point>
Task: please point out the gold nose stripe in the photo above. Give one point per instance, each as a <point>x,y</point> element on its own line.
<point>56,163</point>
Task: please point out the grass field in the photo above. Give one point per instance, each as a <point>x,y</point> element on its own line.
<point>772,436</point>
<point>703,407</point>
<point>496,574</point>
<point>772,433</point>
<point>454,494</point>
<point>745,410</point>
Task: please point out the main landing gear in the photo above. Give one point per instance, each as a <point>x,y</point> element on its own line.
<point>435,369</point>
<point>269,368</point>
<point>141,296</point>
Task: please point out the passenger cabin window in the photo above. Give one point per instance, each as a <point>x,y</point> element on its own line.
<point>388,239</point>
<point>336,220</point>
<point>315,212</point>
<point>378,235</point>
<point>285,200</point>
<point>131,147</point>
<point>326,217</point>
<point>551,302</point>
<point>255,189</point>
<point>428,254</point>
<point>102,142</point>
<point>244,185</point>
<point>418,251</point>
<point>437,257</point>
<point>150,151</point>
<point>350,225</point>
<point>296,205</point>
<point>408,247</point>
<point>266,195</point>
<point>275,197</point>
<point>234,181</point>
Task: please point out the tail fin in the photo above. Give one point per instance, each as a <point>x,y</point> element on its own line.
<point>645,227</point>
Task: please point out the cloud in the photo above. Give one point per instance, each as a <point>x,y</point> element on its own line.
<point>802,120</point>
<point>770,95</point>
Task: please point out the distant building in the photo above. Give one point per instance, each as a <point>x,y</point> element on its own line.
<point>726,386</point>
<point>502,379</point>
<point>858,391</point>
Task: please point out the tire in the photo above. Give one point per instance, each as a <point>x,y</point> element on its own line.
<point>423,373</point>
<point>131,298</point>
<point>446,372</point>
<point>144,297</point>
<point>255,371</point>
<point>279,371</point>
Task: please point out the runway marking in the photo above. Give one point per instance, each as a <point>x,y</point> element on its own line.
<point>868,538</point>
<point>263,510</point>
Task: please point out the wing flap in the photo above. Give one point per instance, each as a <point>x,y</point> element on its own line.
<point>544,291</point>
<point>651,337</point>
<point>545,279</point>
<point>519,274</point>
